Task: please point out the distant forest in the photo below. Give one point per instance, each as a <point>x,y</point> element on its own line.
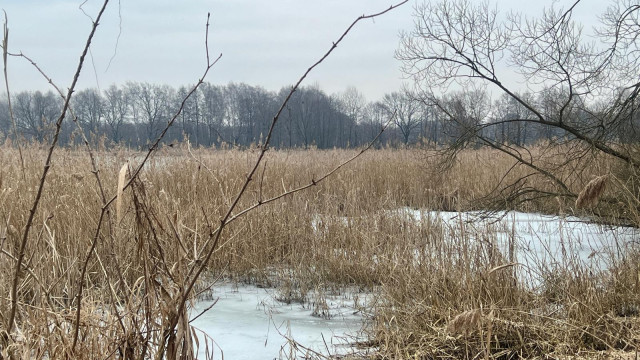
<point>238,114</point>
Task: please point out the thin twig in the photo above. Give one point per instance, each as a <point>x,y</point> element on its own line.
<point>47,166</point>
<point>5,52</point>
<point>94,170</point>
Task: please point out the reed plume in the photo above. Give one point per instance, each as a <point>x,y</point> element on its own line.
<point>592,192</point>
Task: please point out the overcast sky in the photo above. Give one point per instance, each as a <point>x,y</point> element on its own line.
<point>266,43</point>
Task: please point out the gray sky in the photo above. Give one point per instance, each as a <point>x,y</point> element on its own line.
<point>266,43</point>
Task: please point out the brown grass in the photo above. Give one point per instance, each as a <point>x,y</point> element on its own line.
<point>437,298</point>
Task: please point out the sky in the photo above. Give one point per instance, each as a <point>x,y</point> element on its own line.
<point>265,43</point>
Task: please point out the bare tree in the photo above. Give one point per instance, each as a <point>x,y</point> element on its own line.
<point>405,111</point>
<point>507,108</point>
<point>213,112</point>
<point>34,112</point>
<point>352,103</point>
<point>89,107</point>
<point>116,108</point>
<point>5,119</point>
<point>467,111</point>
<point>152,105</point>
<point>375,117</point>
<point>312,118</point>
<point>463,44</point>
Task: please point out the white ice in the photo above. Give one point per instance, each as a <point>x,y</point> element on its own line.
<point>248,323</point>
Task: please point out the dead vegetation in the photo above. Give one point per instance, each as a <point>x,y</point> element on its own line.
<point>592,191</point>
<point>437,298</point>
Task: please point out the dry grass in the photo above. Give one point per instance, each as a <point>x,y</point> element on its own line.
<point>438,298</point>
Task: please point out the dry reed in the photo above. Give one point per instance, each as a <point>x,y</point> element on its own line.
<point>345,232</point>
<point>120,190</point>
<point>465,323</point>
<point>592,192</point>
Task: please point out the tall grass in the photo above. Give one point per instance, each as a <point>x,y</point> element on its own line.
<point>437,297</point>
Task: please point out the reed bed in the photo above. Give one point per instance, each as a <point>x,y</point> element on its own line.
<point>437,298</point>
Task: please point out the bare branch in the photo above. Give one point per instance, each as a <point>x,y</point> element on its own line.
<point>47,166</point>
<point>5,52</point>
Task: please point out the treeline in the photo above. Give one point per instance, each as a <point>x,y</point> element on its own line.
<point>240,115</point>
<point>235,114</point>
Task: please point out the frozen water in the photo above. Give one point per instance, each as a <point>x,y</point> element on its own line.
<point>247,322</point>
<point>538,240</point>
